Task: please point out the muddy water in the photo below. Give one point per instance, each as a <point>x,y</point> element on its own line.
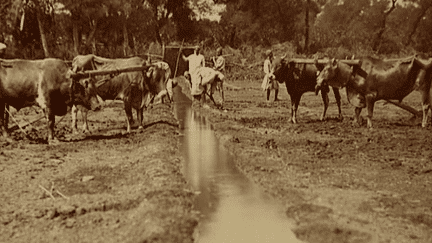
<point>233,208</point>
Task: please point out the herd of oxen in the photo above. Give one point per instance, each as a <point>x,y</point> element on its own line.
<point>366,80</point>
<point>54,85</point>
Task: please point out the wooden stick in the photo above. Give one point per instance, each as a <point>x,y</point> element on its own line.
<point>62,195</point>
<point>178,57</point>
<point>89,73</point>
<point>13,118</point>
<point>29,123</point>
<point>49,193</point>
<point>322,61</point>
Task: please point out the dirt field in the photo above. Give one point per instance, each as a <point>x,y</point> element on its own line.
<point>105,187</point>
<point>338,183</point>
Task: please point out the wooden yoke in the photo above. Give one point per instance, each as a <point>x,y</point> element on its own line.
<point>324,61</point>
<point>86,74</point>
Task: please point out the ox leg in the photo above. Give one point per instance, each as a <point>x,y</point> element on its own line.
<point>338,101</point>
<point>84,114</point>
<point>295,101</point>
<point>6,119</point>
<point>128,111</point>
<point>221,92</point>
<point>325,98</point>
<point>357,118</point>
<point>425,97</point>
<point>74,114</point>
<point>140,116</point>
<point>3,124</point>
<point>51,123</point>
<point>370,103</point>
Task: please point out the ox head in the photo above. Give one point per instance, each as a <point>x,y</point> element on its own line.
<point>157,79</point>
<point>425,73</point>
<point>83,92</point>
<point>284,70</point>
<point>335,73</point>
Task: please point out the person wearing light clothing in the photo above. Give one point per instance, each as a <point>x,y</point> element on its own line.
<point>269,83</point>
<point>196,61</point>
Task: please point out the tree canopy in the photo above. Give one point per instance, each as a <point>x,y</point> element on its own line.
<point>115,28</point>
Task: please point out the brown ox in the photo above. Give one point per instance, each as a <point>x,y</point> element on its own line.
<point>44,83</point>
<point>379,80</point>
<point>299,79</point>
<point>137,89</point>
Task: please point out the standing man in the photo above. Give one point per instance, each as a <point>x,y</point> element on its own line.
<point>196,61</point>
<point>219,61</point>
<point>269,82</point>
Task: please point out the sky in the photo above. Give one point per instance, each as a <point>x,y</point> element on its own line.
<point>206,9</point>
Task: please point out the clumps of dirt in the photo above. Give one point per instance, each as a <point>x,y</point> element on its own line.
<point>315,224</point>
<point>270,144</point>
<point>308,213</point>
<point>331,233</point>
<point>90,180</point>
<point>108,186</point>
<point>264,122</point>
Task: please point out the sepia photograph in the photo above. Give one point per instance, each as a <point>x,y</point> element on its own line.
<point>215,121</point>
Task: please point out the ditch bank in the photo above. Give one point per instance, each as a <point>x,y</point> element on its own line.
<point>107,186</point>
<point>338,182</point>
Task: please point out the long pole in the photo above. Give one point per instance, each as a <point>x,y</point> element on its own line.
<point>178,57</point>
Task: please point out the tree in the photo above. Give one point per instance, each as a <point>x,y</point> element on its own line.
<point>249,23</point>
<point>382,25</point>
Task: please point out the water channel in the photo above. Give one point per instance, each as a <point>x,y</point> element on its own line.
<point>233,208</point>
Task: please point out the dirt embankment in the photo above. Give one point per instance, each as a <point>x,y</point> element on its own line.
<point>104,187</point>
<point>339,183</point>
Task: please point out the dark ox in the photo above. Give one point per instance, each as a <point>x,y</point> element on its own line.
<point>299,79</point>
<point>379,80</point>
<point>45,83</point>
<point>137,89</point>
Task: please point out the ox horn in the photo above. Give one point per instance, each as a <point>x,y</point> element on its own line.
<point>334,62</point>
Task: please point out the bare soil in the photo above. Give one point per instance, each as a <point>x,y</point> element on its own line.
<point>107,186</point>
<point>339,183</point>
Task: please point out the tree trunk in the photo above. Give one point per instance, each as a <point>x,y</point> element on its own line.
<point>409,39</point>
<point>135,45</point>
<point>378,38</point>
<point>90,39</point>
<point>125,39</point>
<point>306,46</point>
<point>42,35</point>
<point>75,36</point>
<point>94,49</point>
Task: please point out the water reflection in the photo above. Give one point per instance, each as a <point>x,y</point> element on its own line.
<point>233,208</point>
